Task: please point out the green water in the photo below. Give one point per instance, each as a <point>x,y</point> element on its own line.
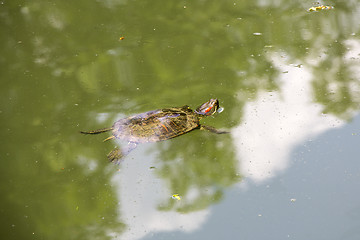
<point>288,82</point>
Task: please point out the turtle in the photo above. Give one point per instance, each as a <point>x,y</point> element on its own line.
<point>158,125</point>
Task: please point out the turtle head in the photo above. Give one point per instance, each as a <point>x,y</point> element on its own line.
<point>208,108</point>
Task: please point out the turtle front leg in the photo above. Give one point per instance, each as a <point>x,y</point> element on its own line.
<point>212,129</point>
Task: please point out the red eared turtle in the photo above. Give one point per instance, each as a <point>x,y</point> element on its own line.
<point>158,125</point>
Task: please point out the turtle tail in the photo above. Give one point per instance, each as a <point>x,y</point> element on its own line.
<point>97,131</point>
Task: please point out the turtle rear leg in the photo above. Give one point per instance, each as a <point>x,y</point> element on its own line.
<point>212,129</point>
<point>109,138</point>
<point>116,156</point>
<point>97,131</point>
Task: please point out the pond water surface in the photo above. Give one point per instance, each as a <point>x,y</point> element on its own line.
<point>287,78</point>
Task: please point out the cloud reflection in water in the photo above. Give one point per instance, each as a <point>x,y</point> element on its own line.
<point>276,123</point>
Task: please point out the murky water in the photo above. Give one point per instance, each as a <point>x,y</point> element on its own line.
<point>287,78</point>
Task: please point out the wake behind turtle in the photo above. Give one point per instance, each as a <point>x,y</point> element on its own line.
<point>158,125</point>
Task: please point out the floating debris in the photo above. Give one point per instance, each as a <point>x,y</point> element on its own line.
<point>220,109</point>
<point>121,38</point>
<point>320,8</point>
<point>176,197</point>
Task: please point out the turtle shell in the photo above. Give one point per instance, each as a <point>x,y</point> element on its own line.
<point>157,125</point>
